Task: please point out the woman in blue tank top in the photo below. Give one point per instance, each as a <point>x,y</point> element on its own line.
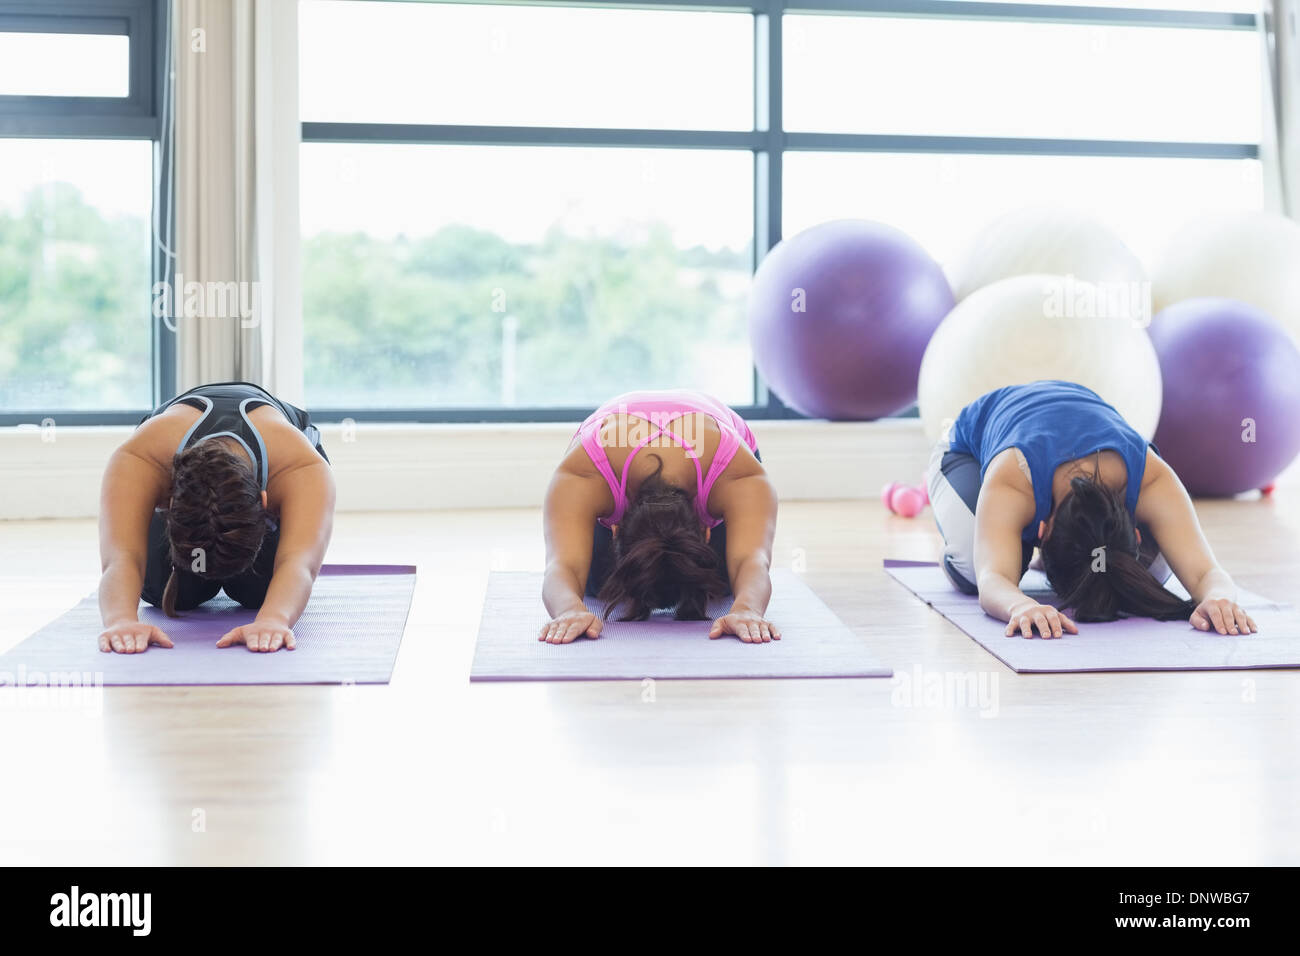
<point>1051,465</point>
<point>225,487</point>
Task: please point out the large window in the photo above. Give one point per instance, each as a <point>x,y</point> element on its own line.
<point>512,211</point>
<point>964,77</point>
<point>942,199</point>
<point>75,275</point>
<point>79,94</point>
<point>522,276</point>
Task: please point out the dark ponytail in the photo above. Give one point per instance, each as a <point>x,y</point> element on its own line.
<point>1091,560</point>
<point>661,557</point>
<point>216,508</point>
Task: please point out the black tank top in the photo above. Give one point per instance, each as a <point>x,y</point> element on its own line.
<point>225,407</point>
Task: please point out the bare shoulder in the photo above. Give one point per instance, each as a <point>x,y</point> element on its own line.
<point>743,465</point>
<point>577,463</point>
<point>1154,469</point>
<point>156,439</point>
<point>1009,470</point>
<point>743,482</point>
<point>578,486</point>
<point>287,448</point>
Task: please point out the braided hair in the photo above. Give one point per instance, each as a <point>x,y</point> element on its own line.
<point>216,520</point>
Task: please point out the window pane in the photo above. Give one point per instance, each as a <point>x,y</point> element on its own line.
<point>993,78</point>
<point>525,66</point>
<point>501,276</point>
<point>1213,6</point>
<point>64,64</point>
<point>941,200</point>
<point>75,319</point>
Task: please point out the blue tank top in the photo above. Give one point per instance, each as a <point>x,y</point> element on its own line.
<point>1051,422</point>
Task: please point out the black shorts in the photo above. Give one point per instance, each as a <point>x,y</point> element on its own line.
<point>249,588</point>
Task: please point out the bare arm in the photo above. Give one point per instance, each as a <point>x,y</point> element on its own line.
<point>750,516</point>
<point>1005,506</point>
<point>306,524</point>
<point>748,507</point>
<point>1167,509</point>
<point>568,519</point>
<point>1001,514</point>
<point>131,486</point>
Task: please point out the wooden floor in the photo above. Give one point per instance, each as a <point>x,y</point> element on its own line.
<point>1155,768</point>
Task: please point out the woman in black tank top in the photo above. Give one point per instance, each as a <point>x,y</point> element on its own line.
<point>213,530</point>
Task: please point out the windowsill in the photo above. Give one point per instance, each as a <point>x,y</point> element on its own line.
<point>408,467</point>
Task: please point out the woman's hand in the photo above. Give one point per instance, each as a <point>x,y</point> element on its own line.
<point>1049,621</point>
<point>570,626</point>
<point>131,637</point>
<point>747,625</point>
<point>260,636</point>
<point>1222,615</point>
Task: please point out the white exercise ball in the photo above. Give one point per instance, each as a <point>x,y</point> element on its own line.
<point>1253,257</point>
<point>1027,328</point>
<point>1047,240</point>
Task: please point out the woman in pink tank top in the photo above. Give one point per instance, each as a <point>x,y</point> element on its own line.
<point>661,502</point>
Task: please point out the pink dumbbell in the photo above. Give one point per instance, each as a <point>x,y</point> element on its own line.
<point>887,492</point>
<point>903,500</point>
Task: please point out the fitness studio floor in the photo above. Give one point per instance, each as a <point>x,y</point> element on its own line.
<point>1151,768</point>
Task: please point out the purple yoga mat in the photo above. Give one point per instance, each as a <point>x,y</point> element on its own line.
<point>1129,644</point>
<point>814,643</point>
<point>349,633</point>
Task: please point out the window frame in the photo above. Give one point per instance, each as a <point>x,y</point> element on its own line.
<point>140,116</point>
<point>768,140</point>
<point>137,116</point>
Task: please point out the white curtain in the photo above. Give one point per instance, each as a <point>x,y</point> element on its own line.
<point>1281,147</point>
<point>237,294</point>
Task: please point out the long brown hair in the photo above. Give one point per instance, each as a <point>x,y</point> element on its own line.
<point>1092,524</point>
<point>216,510</point>
<point>661,557</point>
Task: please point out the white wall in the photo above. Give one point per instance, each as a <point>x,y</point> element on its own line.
<point>415,467</point>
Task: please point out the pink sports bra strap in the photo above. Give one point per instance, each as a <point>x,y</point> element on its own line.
<point>627,463</point>
<point>595,451</point>
<point>732,431</point>
<point>728,445</point>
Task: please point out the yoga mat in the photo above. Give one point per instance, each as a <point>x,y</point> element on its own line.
<point>349,633</point>
<point>814,642</point>
<point>1129,644</point>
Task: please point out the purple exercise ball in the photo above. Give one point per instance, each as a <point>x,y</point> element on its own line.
<point>1231,374</point>
<point>871,297</point>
